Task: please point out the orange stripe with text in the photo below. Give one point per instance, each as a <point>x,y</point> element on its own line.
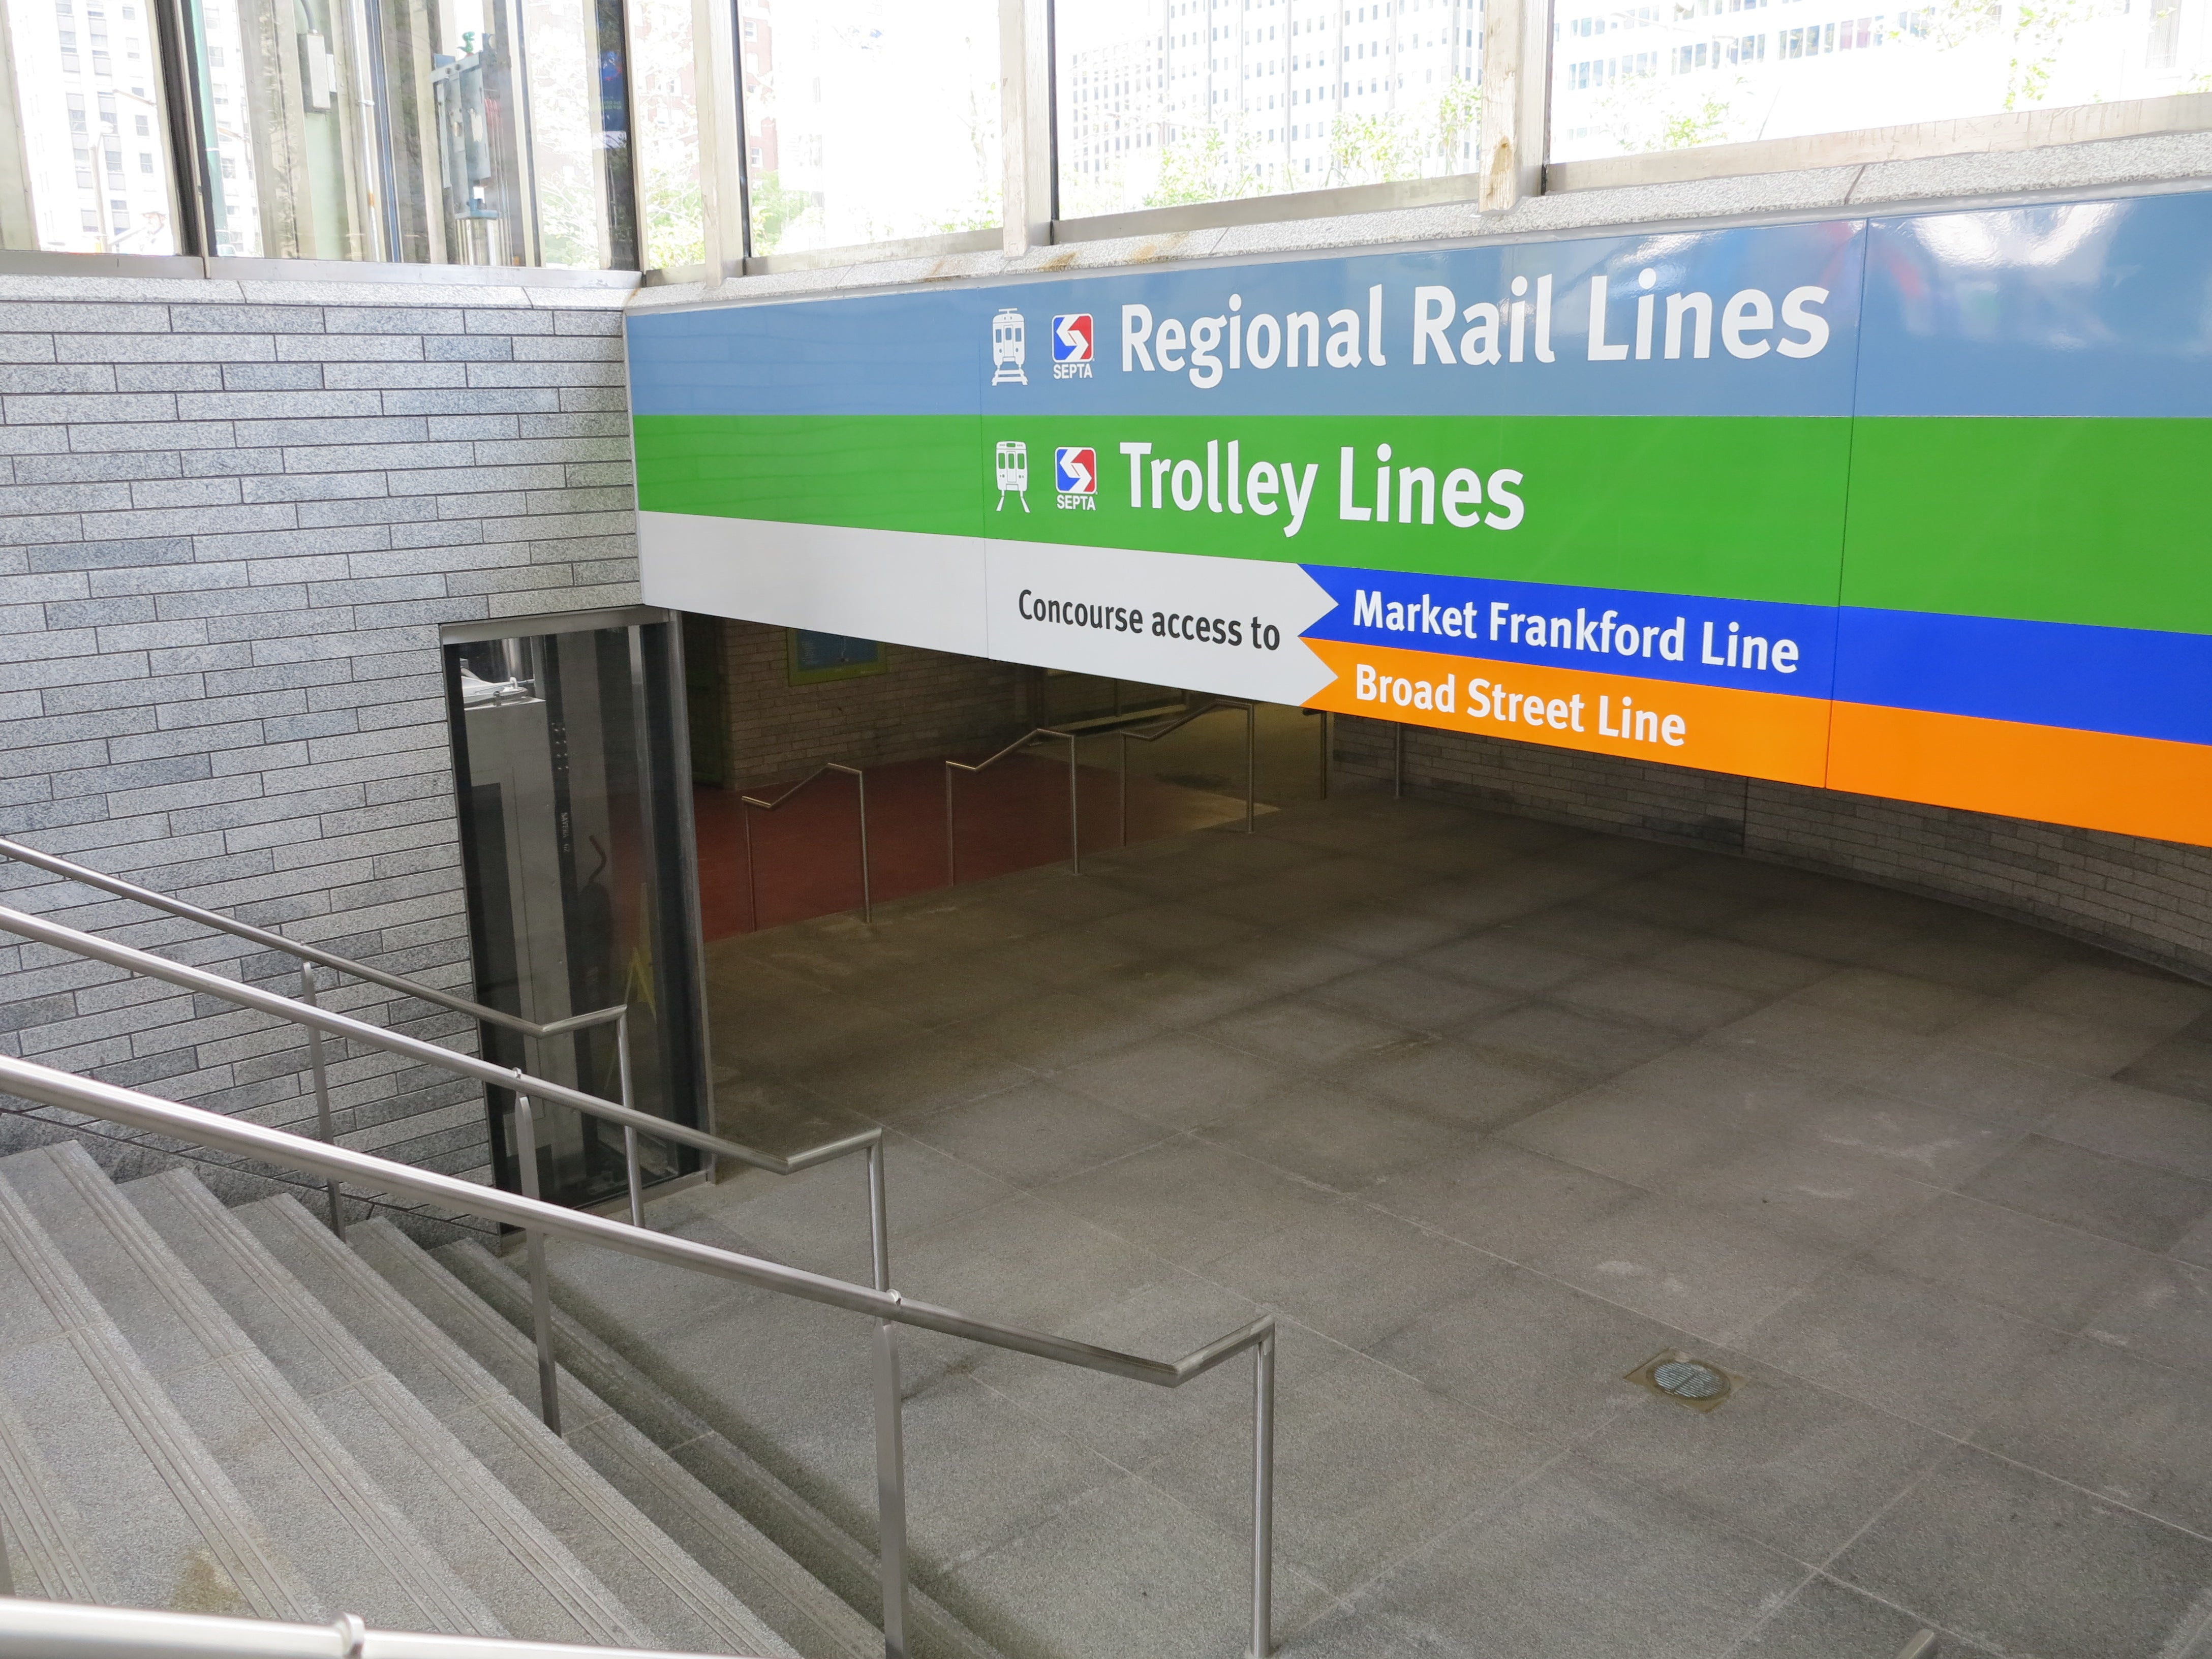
<point>1753,733</point>
<point>2097,780</point>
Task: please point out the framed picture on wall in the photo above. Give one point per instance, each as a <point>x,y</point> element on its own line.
<point>815,658</point>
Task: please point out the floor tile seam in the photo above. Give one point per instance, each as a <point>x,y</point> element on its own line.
<point>1873,1086</point>
<point>1864,1258</point>
<point>1488,1508</point>
<point>1925,1621</point>
<point>2145,1254</point>
<point>1734,1344</point>
<point>1762,1620</point>
<point>2203,1536</point>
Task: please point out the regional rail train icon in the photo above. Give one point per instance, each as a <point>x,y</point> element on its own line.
<point>1009,348</point>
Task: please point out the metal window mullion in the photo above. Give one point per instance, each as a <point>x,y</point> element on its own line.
<point>180,80</point>
<point>718,77</point>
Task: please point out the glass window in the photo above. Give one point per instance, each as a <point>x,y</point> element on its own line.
<point>1171,102</point>
<point>450,132</point>
<point>667,133</point>
<point>869,120</point>
<point>77,112</point>
<point>1626,79</point>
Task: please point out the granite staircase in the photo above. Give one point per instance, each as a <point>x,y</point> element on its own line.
<point>229,1411</point>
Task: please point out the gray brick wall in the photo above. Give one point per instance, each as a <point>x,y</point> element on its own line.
<point>2152,899</point>
<point>232,516</point>
<point>924,704</point>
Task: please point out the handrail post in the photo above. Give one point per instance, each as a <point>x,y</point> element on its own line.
<point>891,1429</point>
<point>753,873</point>
<point>1263,1496</point>
<point>1251,759</point>
<point>1124,736</point>
<point>951,857</point>
<point>322,1099</point>
<point>868,903</point>
<point>630,1130</point>
<point>541,1295</point>
<point>1075,811</point>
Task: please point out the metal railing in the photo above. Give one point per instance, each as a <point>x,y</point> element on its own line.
<point>746,803</point>
<point>886,1306</point>
<point>64,1630</point>
<point>1072,735</point>
<point>319,1022</point>
<point>311,957</point>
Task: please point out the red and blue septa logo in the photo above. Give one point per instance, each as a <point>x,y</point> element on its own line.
<point>1071,339</point>
<point>1075,471</point>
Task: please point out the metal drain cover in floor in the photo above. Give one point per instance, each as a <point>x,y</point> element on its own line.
<point>1679,1376</point>
<point>1685,1379</point>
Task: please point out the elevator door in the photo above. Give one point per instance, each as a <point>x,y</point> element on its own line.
<point>567,763</point>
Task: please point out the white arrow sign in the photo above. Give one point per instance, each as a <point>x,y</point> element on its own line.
<point>1166,618</point>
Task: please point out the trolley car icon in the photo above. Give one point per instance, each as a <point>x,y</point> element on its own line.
<point>1014,472</point>
<point>1009,348</point>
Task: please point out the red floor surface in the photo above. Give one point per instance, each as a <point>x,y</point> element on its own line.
<point>804,856</point>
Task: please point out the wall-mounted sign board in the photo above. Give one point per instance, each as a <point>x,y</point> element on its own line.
<point>1909,507</point>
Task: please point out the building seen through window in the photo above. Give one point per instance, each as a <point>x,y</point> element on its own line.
<point>869,120</point>
<point>91,127</point>
<point>1172,101</point>
<point>492,132</point>
<point>1626,79</point>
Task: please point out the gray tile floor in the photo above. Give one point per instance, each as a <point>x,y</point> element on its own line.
<point>1489,1113</point>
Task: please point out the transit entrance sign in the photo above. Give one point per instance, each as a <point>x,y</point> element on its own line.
<point>1908,507</point>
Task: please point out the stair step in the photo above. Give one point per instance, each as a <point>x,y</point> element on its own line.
<point>819,1544</point>
<point>795,1604</point>
<point>533,1582</point>
<point>157,1519</point>
<point>691,1609</point>
<point>355,1549</point>
<point>51,1555</point>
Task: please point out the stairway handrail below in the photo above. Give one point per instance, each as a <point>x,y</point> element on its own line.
<point>113,1104</point>
<point>69,1630</point>
<point>179,907</point>
<point>130,959</point>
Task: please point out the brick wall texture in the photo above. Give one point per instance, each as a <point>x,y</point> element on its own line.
<point>2151,899</point>
<point>924,704</point>
<point>232,516</point>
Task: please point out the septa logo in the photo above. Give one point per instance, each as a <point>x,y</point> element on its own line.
<point>1075,479</point>
<point>1071,340</point>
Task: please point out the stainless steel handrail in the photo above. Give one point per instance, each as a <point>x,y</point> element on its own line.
<point>887,1307</point>
<point>176,907</point>
<point>312,957</point>
<point>634,1122</point>
<point>322,1021</point>
<point>66,1630</point>
<point>1211,706</point>
<point>1921,1646</point>
<point>745,802</point>
<point>1072,737</point>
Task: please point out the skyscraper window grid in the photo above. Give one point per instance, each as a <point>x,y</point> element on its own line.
<point>93,138</point>
<point>1637,79</point>
<point>1182,101</point>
